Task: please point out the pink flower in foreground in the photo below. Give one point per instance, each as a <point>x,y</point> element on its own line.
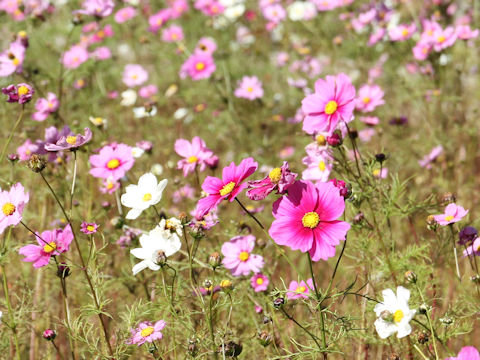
<point>134,75</point>
<point>238,257</point>
<point>467,353</point>
<point>259,282</point>
<point>250,87</point>
<point>88,228</point>
<point>332,101</point>
<point>453,213</point>
<point>198,66</point>
<point>146,332</point>
<point>74,57</point>
<point>305,219</point>
<point>50,243</point>
<point>226,188</point>
<point>45,107</point>
<point>195,154</point>
<point>12,203</point>
<point>206,45</point>
<point>278,178</point>
<point>173,33</point>
<point>299,290</point>
<point>112,162</point>
<point>369,97</point>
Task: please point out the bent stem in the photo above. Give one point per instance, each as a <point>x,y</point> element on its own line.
<point>84,268</point>
<point>314,338</point>
<point>10,136</point>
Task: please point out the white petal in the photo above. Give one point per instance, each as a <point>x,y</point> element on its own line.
<point>133,214</point>
<point>139,267</point>
<point>404,330</point>
<point>384,329</point>
<point>148,182</point>
<point>141,253</point>
<point>153,266</point>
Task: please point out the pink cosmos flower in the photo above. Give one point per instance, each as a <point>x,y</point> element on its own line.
<point>319,163</point>
<point>274,13</point>
<point>50,243</point>
<point>146,332</point>
<point>467,353</point>
<point>12,203</point>
<point>45,107</point>
<point>11,60</point>
<point>134,75</point>
<point>259,282</point>
<point>250,87</point>
<point>185,192</point>
<point>238,257</point>
<point>156,21</point>
<point>380,173</point>
<point>198,66</point>
<point>370,120</point>
<point>125,14</point>
<point>195,154</point>
<point>402,32</point>
<point>173,33</point>
<point>206,45</point>
<point>148,91</point>
<point>21,93</point>
<point>112,162</point>
<point>332,101</point>
<point>299,290</point>
<point>70,142</point>
<point>422,49</point>
<point>101,53</point>
<point>464,32</point>
<point>472,249</point>
<point>74,57</point>
<point>444,38</point>
<point>376,36</point>
<point>277,179</point>
<point>305,219</point>
<point>453,213</point>
<point>98,8</point>
<point>27,149</point>
<point>369,97</point>
<point>109,186</point>
<point>88,228</point>
<point>428,159</point>
<point>226,188</point>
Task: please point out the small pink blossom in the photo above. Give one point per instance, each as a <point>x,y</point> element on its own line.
<point>148,91</point>
<point>453,213</point>
<point>88,228</point>
<point>206,45</point>
<point>402,32</point>
<point>45,107</point>
<point>134,75</point>
<point>319,163</point>
<point>11,60</point>
<point>112,162</point>
<point>238,257</point>
<point>195,154</point>
<point>173,33</point>
<point>198,66</point>
<point>299,290</point>
<point>369,97</point>
<point>250,87</point>
<point>259,282</point>
<point>74,57</point>
<point>97,8</point>
<point>156,21</point>
<point>428,159</point>
<point>125,14</point>
<point>146,332</point>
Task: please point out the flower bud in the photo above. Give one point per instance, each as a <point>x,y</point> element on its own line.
<point>380,157</point>
<point>410,277</point>
<point>12,157</point>
<point>226,285</point>
<point>264,338</point>
<point>335,139</point>
<point>183,217</point>
<point>475,279</point>
<point>160,258</point>
<point>431,223</point>
<point>278,302</point>
<point>63,270</point>
<point>106,205</point>
<point>214,260</point>
<point>446,320</point>
<point>36,163</point>
<point>422,309</point>
<point>49,334</point>
<point>387,316</point>
<point>261,243</point>
<point>231,349</point>
<point>192,347</point>
<point>422,337</point>
<point>358,218</point>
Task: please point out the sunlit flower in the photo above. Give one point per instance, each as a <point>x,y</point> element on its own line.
<point>259,282</point>
<point>146,332</point>
<point>453,213</point>
<point>238,257</point>
<point>299,290</point>
<point>113,161</point>
<point>12,203</point>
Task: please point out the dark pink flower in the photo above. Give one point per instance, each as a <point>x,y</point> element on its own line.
<point>88,228</point>
<point>21,93</point>
<point>278,179</point>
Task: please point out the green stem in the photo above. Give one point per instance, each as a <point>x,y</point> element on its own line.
<point>429,323</point>
<point>10,136</point>
<point>13,325</point>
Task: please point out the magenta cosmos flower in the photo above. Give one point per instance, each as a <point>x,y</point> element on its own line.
<point>147,332</point>
<point>259,282</point>
<point>238,257</point>
<point>112,162</point>
<point>228,187</point>
<point>453,213</point>
<point>173,33</point>
<point>467,353</point>
<point>250,87</point>
<point>198,66</point>
<point>305,219</point>
<point>22,93</point>
<point>194,154</point>
<point>299,290</point>
<point>369,97</point>
<point>70,142</point>
<point>12,203</point>
<point>88,228</point>
<point>50,243</point>
<point>332,101</point>
<point>277,179</point>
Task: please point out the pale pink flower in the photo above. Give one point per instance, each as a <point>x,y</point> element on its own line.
<point>238,257</point>
<point>173,33</point>
<point>369,97</point>
<point>195,154</point>
<point>125,14</point>
<point>402,32</point>
<point>300,290</point>
<point>74,57</point>
<point>134,75</point>
<point>453,213</point>
<point>250,87</point>
<point>45,107</point>
<point>113,161</point>
<point>146,332</point>
<point>11,60</point>
<point>259,282</point>
<point>12,203</point>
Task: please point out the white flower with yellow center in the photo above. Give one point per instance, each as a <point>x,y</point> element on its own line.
<point>393,313</point>
<point>155,248</point>
<point>140,197</point>
<point>171,226</point>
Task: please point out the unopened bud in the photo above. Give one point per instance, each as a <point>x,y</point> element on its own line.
<point>226,285</point>
<point>358,218</point>
<point>265,338</point>
<point>431,223</point>
<point>278,302</point>
<point>12,157</point>
<point>380,157</point>
<point>410,277</point>
<point>63,270</point>
<point>446,320</point>
<point>49,334</point>
<point>215,259</point>
<point>422,337</point>
<point>192,347</point>
<point>36,163</point>
<point>335,139</point>
<point>448,198</point>
<point>261,243</point>
<point>183,217</point>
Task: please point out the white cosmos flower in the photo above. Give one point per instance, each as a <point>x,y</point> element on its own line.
<point>137,152</point>
<point>172,225</point>
<point>154,246</point>
<point>301,10</point>
<point>129,97</point>
<point>140,197</point>
<point>393,313</point>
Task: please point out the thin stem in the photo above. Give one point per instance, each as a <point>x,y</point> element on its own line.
<point>10,136</point>
<point>317,295</point>
<point>429,323</point>
<point>334,271</point>
<point>73,181</point>
<point>13,325</point>
<point>314,338</point>
<point>420,351</point>
<point>250,214</point>
<point>455,252</point>
<point>82,261</point>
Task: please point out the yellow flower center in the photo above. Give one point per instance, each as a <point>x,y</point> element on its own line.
<point>225,283</point>
<point>113,164</point>
<point>15,61</point>
<point>48,248</point>
<point>249,89</point>
<point>301,289</point>
<point>147,197</point>
<point>244,256</point>
<point>448,218</point>
<point>90,228</point>
<point>441,39</point>
<point>200,66</point>
<point>259,281</point>
<point>97,121</point>
<point>321,141</point>
<point>227,189</point>
<point>192,159</point>
<point>366,100</point>
<point>405,32</point>
<point>22,34</point>
<point>8,209</point>
<point>72,140</point>
<point>275,175</point>
<point>147,331</point>
<point>22,90</point>
<point>310,220</point>
<point>331,107</point>
<point>101,34</point>
<point>398,316</point>
<point>376,172</point>
<point>322,166</point>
